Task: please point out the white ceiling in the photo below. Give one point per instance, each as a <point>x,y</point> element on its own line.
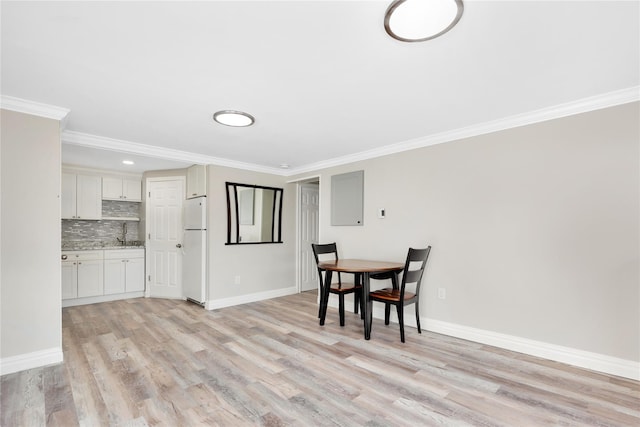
<point>323,79</point>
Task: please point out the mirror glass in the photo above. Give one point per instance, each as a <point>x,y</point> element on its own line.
<point>254,214</point>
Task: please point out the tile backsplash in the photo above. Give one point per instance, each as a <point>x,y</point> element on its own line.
<point>104,232</point>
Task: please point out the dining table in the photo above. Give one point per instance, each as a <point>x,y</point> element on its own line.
<point>360,267</point>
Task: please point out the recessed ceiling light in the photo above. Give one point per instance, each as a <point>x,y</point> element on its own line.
<point>233,118</point>
<point>128,162</point>
<point>420,20</point>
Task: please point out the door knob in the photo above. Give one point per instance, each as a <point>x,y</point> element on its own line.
<point>178,245</point>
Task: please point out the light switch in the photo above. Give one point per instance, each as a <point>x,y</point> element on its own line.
<point>381,213</point>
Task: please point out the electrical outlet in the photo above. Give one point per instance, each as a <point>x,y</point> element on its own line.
<point>236,280</point>
<point>442,293</point>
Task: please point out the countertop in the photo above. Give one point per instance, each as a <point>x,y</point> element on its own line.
<point>77,245</point>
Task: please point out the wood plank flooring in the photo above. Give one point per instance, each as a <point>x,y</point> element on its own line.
<point>148,362</point>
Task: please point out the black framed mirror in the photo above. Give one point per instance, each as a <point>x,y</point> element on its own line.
<point>254,214</point>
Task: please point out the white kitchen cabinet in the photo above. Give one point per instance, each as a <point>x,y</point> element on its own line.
<point>196,181</point>
<point>81,196</point>
<point>114,276</point>
<point>123,271</point>
<point>134,281</point>
<point>82,274</point>
<point>69,279</point>
<point>116,188</point>
<point>90,278</point>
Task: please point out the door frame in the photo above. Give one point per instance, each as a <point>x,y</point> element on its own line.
<point>299,182</point>
<point>145,199</point>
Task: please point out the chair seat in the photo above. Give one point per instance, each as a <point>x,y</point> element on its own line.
<point>344,289</point>
<point>389,294</point>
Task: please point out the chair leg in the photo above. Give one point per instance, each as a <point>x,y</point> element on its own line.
<point>400,308</point>
<point>387,312</point>
<point>356,301</point>
<point>362,305</point>
<point>356,295</point>
<point>341,308</point>
<point>418,317</point>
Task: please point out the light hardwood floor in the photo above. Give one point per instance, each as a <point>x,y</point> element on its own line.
<point>165,362</point>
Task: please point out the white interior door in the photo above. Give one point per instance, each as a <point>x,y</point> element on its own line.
<point>309,224</point>
<point>165,198</point>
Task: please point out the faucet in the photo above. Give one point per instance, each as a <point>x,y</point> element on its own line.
<point>124,235</point>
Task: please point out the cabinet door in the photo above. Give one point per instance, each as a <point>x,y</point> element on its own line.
<point>68,196</point>
<point>90,278</point>
<point>114,276</point>
<point>69,280</point>
<point>135,275</point>
<point>89,197</point>
<point>111,188</point>
<point>132,190</point>
<point>196,181</point>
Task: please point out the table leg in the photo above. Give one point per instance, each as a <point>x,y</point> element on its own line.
<point>324,298</point>
<point>367,307</point>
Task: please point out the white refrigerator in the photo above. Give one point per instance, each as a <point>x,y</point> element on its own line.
<point>194,249</point>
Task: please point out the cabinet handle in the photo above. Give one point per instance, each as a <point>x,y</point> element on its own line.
<point>79,263</point>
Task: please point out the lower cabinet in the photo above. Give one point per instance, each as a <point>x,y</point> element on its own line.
<point>69,279</point>
<point>90,278</point>
<point>101,273</point>
<point>123,271</point>
<point>82,274</point>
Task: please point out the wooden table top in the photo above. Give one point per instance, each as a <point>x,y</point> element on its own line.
<point>360,266</point>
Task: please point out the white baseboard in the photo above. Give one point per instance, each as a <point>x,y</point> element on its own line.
<point>100,298</point>
<point>580,358</point>
<point>36,359</point>
<point>583,359</point>
<point>244,299</point>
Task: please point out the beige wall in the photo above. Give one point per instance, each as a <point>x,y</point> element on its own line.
<point>30,319</point>
<point>535,230</point>
<point>263,267</point>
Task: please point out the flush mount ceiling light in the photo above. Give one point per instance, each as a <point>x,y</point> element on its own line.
<point>233,118</point>
<point>420,20</point>
<point>128,162</point>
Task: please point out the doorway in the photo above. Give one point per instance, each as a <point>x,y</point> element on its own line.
<point>309,226</point>
<point>165,197</point>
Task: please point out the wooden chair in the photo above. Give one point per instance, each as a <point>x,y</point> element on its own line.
<point>341,288</point>
<point>400,297</point>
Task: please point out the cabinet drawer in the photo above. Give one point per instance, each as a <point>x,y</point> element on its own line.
<point>123,253</point>
<point>82,255</point>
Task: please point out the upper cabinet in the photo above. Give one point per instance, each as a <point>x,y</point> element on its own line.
<point>126,189</point>
<point>196,181</point>
<point>81,196</point>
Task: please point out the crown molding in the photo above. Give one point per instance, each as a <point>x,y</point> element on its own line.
<point>35,109</point>
<point>610,99</point>
<point>119,145</point>
<point>584,105</point>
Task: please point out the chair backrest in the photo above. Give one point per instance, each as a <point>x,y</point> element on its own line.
<point>324,249</point>
<point>414,268</point>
